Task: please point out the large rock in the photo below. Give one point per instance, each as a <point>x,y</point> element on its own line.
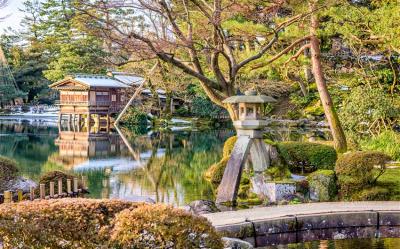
<point>230,243</point>
<point>19,183</point>
<point>322,185</point>
<point>202,207</point>
<point>273,191</point>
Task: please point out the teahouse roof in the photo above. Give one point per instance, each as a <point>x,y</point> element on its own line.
<point>128,78</point>
<point>249,97</point>
<point>89,81</point>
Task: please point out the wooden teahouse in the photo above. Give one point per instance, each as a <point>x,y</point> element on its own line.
<point>90,97</point>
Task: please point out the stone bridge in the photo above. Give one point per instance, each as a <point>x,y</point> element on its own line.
<point>274,225</point>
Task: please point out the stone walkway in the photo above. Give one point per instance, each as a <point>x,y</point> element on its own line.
<point>254,214</point>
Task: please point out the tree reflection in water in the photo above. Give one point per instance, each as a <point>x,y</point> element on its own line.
<point>165,166</point>
<point>389,243</point>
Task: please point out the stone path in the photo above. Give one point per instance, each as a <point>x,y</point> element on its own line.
<point>234,217</point>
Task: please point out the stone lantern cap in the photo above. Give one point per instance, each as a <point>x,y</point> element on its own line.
<point>249,96</point>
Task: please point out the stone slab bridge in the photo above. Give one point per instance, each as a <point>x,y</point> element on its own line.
<point>274,225</point>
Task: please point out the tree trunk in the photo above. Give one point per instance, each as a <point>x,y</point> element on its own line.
<point>338,135</point>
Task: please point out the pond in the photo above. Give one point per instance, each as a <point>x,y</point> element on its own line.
<point>164,166</point>
<point>344,244</point>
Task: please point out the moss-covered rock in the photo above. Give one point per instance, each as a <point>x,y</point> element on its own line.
<point>307,156</point>
<point>161,226</point>
<point>218,170</point>
<point>322,185</point>
<point>358,170</point>
<point>228,146</point>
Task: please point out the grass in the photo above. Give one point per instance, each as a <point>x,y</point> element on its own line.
<point>386,142</point>
<point>391,180</point>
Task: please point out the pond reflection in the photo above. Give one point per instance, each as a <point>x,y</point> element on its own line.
<point>164,166</point>
<point>389,243</point>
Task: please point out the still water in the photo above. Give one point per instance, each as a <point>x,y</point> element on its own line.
<point>164,166</point>
<point>345,244</point>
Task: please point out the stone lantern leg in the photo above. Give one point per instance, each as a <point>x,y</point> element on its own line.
<point>249,126</point>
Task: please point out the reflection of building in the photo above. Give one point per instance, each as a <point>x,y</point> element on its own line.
<point>84,144</point>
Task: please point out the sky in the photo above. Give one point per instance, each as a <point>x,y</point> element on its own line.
<point>15,16</point>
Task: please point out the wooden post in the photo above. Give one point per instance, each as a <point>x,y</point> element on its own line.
<point>51,189</point>
<point>84,182</point>
<point>75,185</point>
<point>32,193</point>
<point>69,186</point>
<point>60,189</point>
<point>20,196</point>
<point>42,191</point>
<point>7,197</point>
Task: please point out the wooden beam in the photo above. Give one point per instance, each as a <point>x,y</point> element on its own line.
<point>138,90</point>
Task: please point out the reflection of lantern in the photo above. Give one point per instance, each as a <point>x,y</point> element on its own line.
<point>249,110</point>
<point>249,125</point>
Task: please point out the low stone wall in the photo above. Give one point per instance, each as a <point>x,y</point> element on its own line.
<point>309,227</point>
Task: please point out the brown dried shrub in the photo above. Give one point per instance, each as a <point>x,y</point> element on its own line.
<point>89,223</point>
<point>161,226</point>
<point>62,223</point>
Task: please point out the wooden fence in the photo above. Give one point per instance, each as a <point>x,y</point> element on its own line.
<point>72,192</point>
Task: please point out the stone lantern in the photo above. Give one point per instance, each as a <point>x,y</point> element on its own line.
<point>249,125</point>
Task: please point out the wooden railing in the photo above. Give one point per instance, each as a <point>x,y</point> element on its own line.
<point>72,192</point>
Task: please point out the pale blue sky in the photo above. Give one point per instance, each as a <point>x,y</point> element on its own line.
<point>15,16</point>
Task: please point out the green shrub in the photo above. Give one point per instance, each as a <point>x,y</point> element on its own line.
<point>386,142</point>
<point>134,117</point>
<point>182,111</point>
<point>204,108</point>
<point>356,170</point>
<point>228,146</point>
<point>160,226</point>
<point>277,173</point>
<point>322,185</point>
<point>359,113</point>
<point>62,223</point>
<point>371,194</point>
<point>307,156</point>
<point>8,169</point>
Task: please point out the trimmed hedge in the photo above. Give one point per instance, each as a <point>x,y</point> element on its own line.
<point>161,226</point>
<point>89,223</point>
<point>356,170</point>
<point>307,156</point>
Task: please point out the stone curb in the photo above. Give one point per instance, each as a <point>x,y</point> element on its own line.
<point>319,226</point>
